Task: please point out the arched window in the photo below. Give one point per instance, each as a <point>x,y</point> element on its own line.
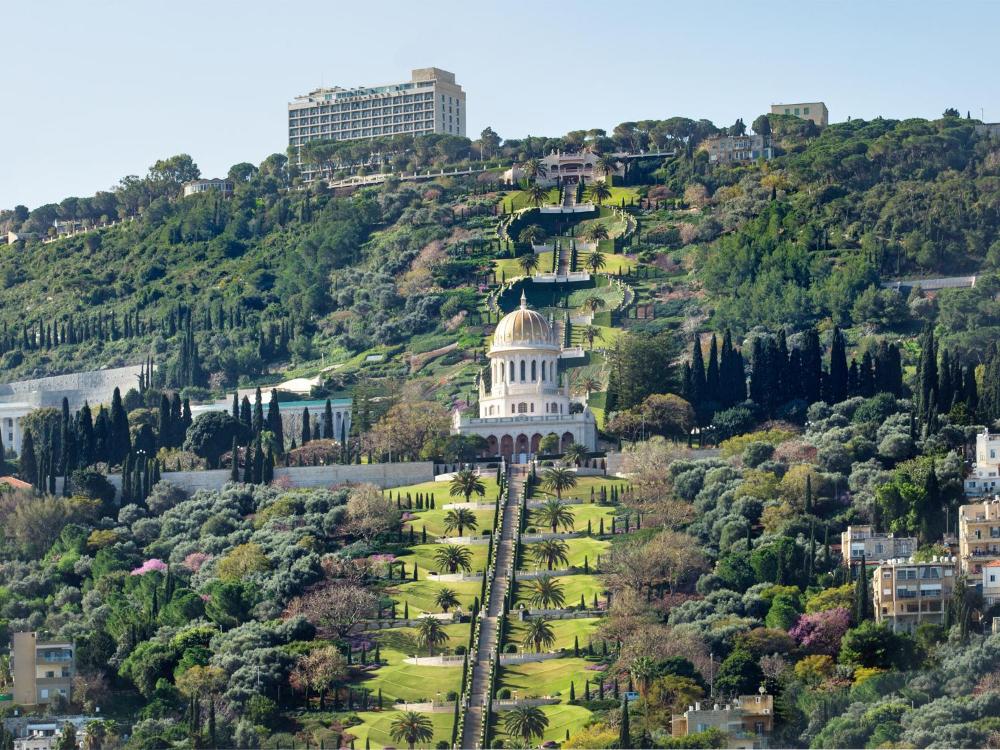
<point>534,371</point>
<point>522,370</point>
<point>543,369</point>
<point>511,378</point>
<point>532,407</point>
<point>522,408</point>
<point>513,409</point>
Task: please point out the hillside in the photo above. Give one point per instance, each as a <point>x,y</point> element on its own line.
<point>300,279</point>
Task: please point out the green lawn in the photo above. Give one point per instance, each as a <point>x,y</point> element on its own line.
<point>546,678</point>
<point>605,337</point>
<point>520,199</point>
<point>584,485</point>
<point>433,521</point>
<point>573,587</point>
<point>578,549</point>
<point>424,556</point>
<point>375,729</point>
<point>410,682</point>
<point>594,514</point>
<point>565,631</point>
<point>420,594</point>
<point>509,268</point>
<point>440,490</point>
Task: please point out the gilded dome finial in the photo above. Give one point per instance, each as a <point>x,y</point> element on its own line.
<point>524,300</point>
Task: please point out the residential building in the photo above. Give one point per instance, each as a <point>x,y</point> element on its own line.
<point>562,167</point>
<point>734,149</point>
<point>991,583</point>
<point>815,111</point>
<point>41,669</point>
<point>748,720</point>
<point>207,186</point>
<point>978,535</point>
<point>430,102</point>
<point>864,540</point>
<point>908,593</point>
<point>985,476</point>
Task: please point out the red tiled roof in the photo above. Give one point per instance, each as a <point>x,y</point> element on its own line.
<point>18,484</point>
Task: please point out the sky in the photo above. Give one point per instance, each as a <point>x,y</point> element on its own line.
<point>93,91</point>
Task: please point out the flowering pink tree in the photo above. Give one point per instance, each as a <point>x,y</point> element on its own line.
<point>821,632</point>
<point>195,560</point>
<point>150,566</point>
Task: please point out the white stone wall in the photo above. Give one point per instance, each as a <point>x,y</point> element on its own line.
<point>95,387</point>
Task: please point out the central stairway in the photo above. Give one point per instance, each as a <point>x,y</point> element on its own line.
<point>488,624</point>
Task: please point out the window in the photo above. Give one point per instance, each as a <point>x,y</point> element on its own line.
<point>43,694</point>
<point>511,372</point>
<point>543,369</point>
<point>523,363</point>
<point>805,110</point>
<point>534,371</point>
<point>522,408</point>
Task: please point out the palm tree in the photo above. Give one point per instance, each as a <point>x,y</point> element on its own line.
<point>599,191</point>
<point>451,557</point>
<point>538,634</point>
<point>532,234</point>
<point>446,599</point>
<point>550,552</point>
<point>525,722</point>
<point>575,453</point>
<point>528,263</point>
<point>460,519</point>
<point>411,728</point>
<point>533,169</point>
<point>643,670</point>
<point>607,164</point>
<point>554,512</point>
<point>430,633</point>
<point>595,261</point>
<point>557,479</point>
<point>596,233</point>
<point>590,333</point>
<point>593,302</point>
<point>589,384</point>
<point>466,483</point>
<point>538,194</point>
<point>546,592</point>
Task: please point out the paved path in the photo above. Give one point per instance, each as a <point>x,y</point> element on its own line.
<point>488,626</point>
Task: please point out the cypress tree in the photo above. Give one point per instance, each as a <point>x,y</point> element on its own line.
<point>120,443</point>
<point>927,372</point>
<point>306,428</point>
<point>246,412</point>
<point>28,464</point>
<point>248,464</point>
<point>712,378</point>
<point>328,421</point>
<point>85,436</point>
<point>274,421</point>
<point>236,405</point>
<point>624,731</point>
<point>838,367</point>
<point>258,462</point>
<point>861,602</point>
<point>268,472</point>
<point>234,474</point>
<point>811,367</point>
<point>164,425</point>
<point>257,422</point>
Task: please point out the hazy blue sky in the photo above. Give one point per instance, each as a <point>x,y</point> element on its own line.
<point>92,91</point>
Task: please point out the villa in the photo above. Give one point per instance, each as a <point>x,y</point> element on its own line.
<point>566,168</point>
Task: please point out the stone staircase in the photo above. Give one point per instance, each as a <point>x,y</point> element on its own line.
<point>488,625</point>
<point>569,196</point>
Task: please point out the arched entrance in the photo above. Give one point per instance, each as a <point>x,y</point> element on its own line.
<point>507,446</point>
<point>567,439</point>
<point>536,439</point>
<point>492,446</point>
<point>522,444</point>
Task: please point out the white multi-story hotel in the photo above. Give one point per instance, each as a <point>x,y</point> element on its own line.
<point>985,476</point>
<point>430,102</point>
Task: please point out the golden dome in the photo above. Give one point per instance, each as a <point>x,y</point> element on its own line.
<point>523,327</point>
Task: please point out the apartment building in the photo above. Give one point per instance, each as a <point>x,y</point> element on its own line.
<point>978,535</point>
<point>991,583</point>
<point>734,149</point>
<point>747,720</point>
<point>909,593</point>
<point>430,102</point>
<point>984,478</point>
<point>815,111</point>
<point>41,669</point>
<point>858,541</point>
